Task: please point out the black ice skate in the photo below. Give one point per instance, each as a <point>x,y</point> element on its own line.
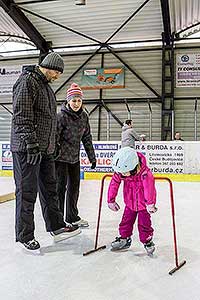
<point>65,233</point>
<point>32,246</point>
<point>121,244</point>
<point>149,247</point>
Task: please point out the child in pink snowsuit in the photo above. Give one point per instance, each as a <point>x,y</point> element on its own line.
<point>139,196</point>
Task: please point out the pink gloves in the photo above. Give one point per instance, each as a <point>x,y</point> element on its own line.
<point>151,208</point>
<point>114,206</point>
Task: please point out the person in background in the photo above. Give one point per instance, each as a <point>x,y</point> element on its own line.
<point>143,137</point>
<point>129,135</point>
<point>139,197</point>
<point>72,128</point>
<point>33,134</point>
<point>177,136</point>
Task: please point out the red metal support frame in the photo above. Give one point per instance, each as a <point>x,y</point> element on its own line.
<point>96,248</point>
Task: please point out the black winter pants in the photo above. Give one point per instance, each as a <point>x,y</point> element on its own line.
<point>68,183</point>
<point>29,179</point>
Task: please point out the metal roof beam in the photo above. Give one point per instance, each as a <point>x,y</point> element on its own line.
<point>77,70</point>
<point>60,25</point>
<point>132,71</point>
<point>35,1</point>
<point>166,21</point>
<point>8,110</point>
<point>128,109</point>
<point>6,34</point>
<point>94,108</point>
<point>125,22</point>
<point>112,114</point>
<point>23,22</point>
<point>118,101</point>
<point>185,29</point>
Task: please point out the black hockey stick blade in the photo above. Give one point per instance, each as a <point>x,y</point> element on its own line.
<point>94,250</point>
<point>177,268</point>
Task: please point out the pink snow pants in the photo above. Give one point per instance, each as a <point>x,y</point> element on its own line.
<point>144,224</point>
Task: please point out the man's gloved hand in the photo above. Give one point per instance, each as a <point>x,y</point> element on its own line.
<point>114,206</point>
<point>93,166</point>
<point>151,208</point>
<point>34,155</point>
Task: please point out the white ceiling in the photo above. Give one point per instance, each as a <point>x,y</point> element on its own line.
<point>98,19</point>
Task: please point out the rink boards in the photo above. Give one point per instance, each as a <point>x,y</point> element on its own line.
<point>177,160</point>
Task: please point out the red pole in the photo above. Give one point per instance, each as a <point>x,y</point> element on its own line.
<point>98,219</point>
<point>100,206</point>
<point>178,266</point>
<point>173,216</point>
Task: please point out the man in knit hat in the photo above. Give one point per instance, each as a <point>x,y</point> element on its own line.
<point>33,145</point>
<point>53,61</point>
<point>72,129</point>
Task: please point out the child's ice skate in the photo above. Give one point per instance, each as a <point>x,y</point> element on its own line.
<point>149,247</point>
<point>121,244</point>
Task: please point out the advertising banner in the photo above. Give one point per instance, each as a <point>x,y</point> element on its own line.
<point>104,154</point>
<point>188,70</point>
<point>8,76</point>
<point>162,157</point>
<point>100,78</point>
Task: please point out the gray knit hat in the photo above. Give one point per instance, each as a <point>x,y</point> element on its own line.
<point>53,61</point>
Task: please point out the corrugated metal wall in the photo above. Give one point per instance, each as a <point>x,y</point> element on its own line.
<point>5,121</point>
<point>148,65</point>
<point>111,130</point>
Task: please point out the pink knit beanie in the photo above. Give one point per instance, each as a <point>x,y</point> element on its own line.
<point>74,91</point>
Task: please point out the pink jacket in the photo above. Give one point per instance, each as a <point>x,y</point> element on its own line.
<point>139,190</point>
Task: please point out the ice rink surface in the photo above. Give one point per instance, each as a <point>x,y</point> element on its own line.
<point>61,272</point>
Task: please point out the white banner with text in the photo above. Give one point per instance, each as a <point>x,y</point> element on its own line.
<point>162,157</point>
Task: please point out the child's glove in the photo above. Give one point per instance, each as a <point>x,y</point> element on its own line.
<point>114,206</point>
<point>151,208</point>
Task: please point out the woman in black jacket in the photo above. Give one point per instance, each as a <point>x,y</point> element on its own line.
<point>72,129</point>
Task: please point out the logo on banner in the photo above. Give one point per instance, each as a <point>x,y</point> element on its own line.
<point>185,58</point>
<point>6,157</point>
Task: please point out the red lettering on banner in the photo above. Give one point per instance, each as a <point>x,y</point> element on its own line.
<point>100,161</point>
<point>84,161</point>
<point>103,161</point>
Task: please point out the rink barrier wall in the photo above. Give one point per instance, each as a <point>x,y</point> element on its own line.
<point>173,177</point>
<point>177,159</point>
<point>99,176</point>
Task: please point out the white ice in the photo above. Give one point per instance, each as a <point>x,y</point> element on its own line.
<point>61,272</point>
